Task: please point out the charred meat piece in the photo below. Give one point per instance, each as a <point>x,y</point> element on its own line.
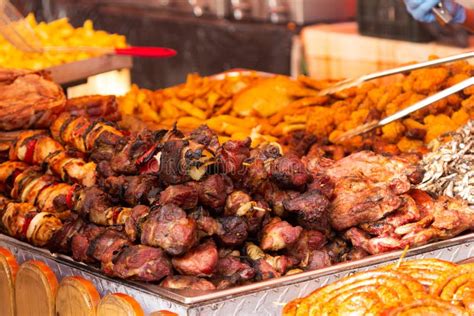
<point>133,190</point>
<point>337,249</point>
<point>168,227</point>
<point>276,197</point>
<point>205,136</point>
<point>133,224</point>
<point>172,169</point>
<point>200,261</point>
<point>62,239</point>
<point>213,191</point>
<point>183,282</point>
<point>278,235</point>
<point>81,241</point>
<point>182,195</point>
<point>312,209</point>
<point>234,231</point>
<point>264,270</point>
<point>234,269</point>
<point>231,156</point>
<point>125,160</point>
<point>106,247</point>
<point>142,263</point>
<point>289,172</point>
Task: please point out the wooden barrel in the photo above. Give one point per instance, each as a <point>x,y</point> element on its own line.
<point>118,304</point>
<point>35,289</point>
<point>8,270</point>
<point>76,297</point>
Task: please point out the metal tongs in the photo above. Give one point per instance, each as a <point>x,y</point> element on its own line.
<point>406,111</point>
<point>16,30</point>
<point>348,83</point>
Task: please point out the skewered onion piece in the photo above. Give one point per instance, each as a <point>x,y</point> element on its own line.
<point>42,228</point>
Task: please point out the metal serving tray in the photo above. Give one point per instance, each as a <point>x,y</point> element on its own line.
<point>262,298</point>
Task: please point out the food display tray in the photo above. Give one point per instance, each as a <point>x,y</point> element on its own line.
<point>80,70</point>
<point>262,298</point>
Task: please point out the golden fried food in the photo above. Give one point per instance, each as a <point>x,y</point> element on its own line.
<point>57,33</point>
<point>455,285</point>
<point>426,271</point>
<point>426,307</point>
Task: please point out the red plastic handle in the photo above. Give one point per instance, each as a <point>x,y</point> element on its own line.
<point>155,52</point>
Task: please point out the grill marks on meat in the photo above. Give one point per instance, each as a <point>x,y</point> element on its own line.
<point>234,231</point>
<point>168,227</point>
<point>143,263</point>
<point>200,261</point>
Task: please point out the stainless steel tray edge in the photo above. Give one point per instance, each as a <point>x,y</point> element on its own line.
<point>266,297</point>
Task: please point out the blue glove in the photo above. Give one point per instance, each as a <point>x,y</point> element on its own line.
<point>421,10</point>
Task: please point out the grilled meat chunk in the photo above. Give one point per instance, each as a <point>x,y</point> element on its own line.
<point>81,241</point>
<point>312,209</point>
<point>231,155</point>
<point>106,247</point>
<point>133,224</point>
<point>142,263</point>
<point>200,261</point>
<point>205,136</point>
<point>234,269</point>
<point>234,231</point>
<point>278,235</point>
<point>182,195</point>
<point>289,172</point>
<point>213,191</point>
<point>168,227</point>
<point>172,170</point>
<point>62,239</point>
<point>133,190</point>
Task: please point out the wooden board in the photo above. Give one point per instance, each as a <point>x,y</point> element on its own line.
<point>76,297</point>
<point>35,289</point>
<point>83,69</point>
<point>8,269</point>
<point>118,304</point>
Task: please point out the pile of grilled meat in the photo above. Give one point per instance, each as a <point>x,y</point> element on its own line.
<point>191,213</point>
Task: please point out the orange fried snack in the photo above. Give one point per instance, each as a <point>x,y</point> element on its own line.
<point>426,307</point>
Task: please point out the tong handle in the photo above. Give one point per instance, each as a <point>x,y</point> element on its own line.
<point>425,64</point>
<point>429,100</point>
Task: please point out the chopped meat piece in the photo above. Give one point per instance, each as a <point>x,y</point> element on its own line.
<point>206,224</point>
<point>231,155</point>
<point>234,268</point>
<point>184,282</point>
<point>355,253</point>
<point>94,106</point>
<point>265,271</point>
<point>182,195</point>
<point>276,197</point>
<point>142,263</point>
<point>205,136</point>
<point>324,184</point>
<point>133,190</point>
<point>81,241</point>
<point>240,204</point>
<point>308,241</point>
<point>106,247</point>
<point>62,239</point>
<point>289,172</point>
<point>234,231</point>
<point>311,208</point>
<point>213,191</point>
<point>168,227</point>
<point>374,245</point>
<point>278,234</point>
<point>172,170</point>
<point>337,249</point>
<point>318,259</point>
<point>199,261</point>
<point>135,221</point>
